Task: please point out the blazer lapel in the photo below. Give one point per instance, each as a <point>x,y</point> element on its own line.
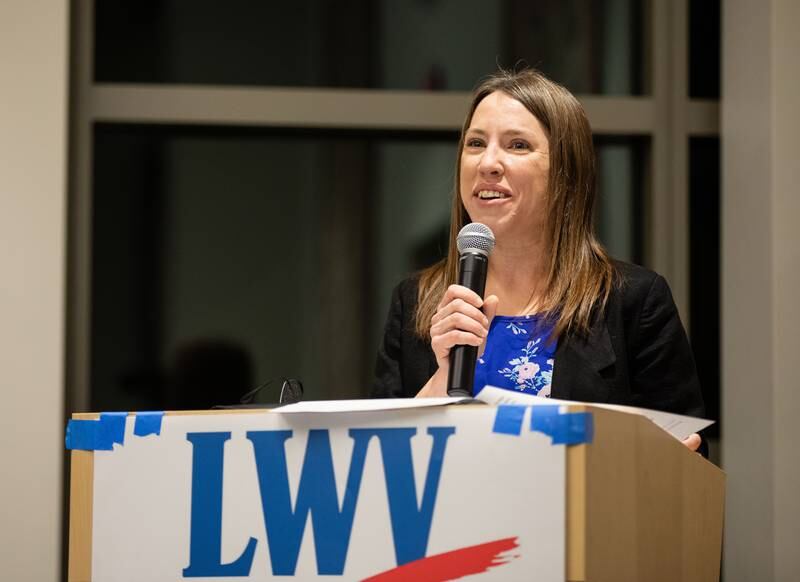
<point>578,362</point>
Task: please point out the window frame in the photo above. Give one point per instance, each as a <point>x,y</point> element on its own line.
<point>666,115</point>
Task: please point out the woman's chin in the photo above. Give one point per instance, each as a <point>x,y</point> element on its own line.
<point>510,233</point>
<point>492,217</point>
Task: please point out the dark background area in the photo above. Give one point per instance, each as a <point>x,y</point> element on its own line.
<point>224,257</point>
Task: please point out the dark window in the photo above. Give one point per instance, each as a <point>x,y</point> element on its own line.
<point>223,258</point>
<point>619,214</point>
<point>704,49</point>
<point>590,46</point>
<point>704,196</point>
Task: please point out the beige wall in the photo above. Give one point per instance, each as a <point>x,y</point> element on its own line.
<point>761,286</point>
<point>33,124</point>
<point>786,293</point>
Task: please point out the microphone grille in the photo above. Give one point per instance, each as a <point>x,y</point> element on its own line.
<point>475,237</point>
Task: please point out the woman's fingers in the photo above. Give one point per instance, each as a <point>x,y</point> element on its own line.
<point>692,441</point>
<point>458,299</point>
<point>460,321</point>
<point>460,307</point>
<point>442,344</point>
<point>460,292</point>
<point>490,307</point>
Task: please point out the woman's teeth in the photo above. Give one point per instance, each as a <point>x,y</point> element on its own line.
<point>491,194</point>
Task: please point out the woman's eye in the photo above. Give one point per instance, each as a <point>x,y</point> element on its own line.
<point>520,145</point>
<point>474,143</point>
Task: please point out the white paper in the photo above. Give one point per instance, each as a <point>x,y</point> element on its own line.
<point>677,425</point>
<point>367,405</point>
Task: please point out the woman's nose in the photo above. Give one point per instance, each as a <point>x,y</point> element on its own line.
<point>490,162</point>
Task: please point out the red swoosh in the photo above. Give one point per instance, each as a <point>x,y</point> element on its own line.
<point>451,565</point>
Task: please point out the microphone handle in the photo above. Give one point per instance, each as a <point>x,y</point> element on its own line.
<point>472,268</point>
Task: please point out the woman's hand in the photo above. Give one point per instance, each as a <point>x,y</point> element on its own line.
<point>458,321</point>
<point>692,441</point>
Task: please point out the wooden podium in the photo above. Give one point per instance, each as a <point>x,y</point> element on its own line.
<point>638,505</point>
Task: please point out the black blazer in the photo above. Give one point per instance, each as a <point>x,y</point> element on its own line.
<point>636,353</point>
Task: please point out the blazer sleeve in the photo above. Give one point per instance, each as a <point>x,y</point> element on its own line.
<point>388,381</point>
<point>663,374</point>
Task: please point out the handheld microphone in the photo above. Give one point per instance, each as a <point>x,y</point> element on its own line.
<point>475,242</point>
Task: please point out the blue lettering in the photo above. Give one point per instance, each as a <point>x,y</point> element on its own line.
<point>316,494</point>
<point>205,545</point>
<point>411,522</point>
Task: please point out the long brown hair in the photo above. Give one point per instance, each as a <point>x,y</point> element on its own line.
<point>580,274</point>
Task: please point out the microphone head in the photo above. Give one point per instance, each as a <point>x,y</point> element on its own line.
<point>475,237</point>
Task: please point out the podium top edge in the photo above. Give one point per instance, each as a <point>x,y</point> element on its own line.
<point>94,415</point>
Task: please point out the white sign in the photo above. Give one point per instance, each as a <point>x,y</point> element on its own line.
<point>424,494</point>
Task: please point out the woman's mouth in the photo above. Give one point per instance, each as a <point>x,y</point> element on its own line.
<point>491,195</point>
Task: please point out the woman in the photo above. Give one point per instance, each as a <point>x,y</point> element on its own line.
<point>559,318</point>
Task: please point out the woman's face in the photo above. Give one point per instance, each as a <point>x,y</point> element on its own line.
<point>504,169</point>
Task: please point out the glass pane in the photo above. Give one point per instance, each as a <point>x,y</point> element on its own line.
<point>588,46</point>
<point>619,214</point>
<point>704,49</point>
<point>592,47</point>
<point>704,265</point>
<point>223,258</point>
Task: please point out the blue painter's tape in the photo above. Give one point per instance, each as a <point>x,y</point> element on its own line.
<point>569,428</point>
<point>508,419</point>
<point>543,418</point>
<point>574,428</point>
<point>115,424</point>
<point>148,423</point>
<point>84,435</point>
<point>96,435</point>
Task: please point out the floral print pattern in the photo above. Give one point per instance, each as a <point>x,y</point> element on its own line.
<point>527,374</point>
<point>518,356</point>
<point>515,329</point>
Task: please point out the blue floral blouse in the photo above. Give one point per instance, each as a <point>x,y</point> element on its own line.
<point>518,356</point>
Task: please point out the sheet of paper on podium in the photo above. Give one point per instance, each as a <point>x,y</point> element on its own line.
<point>677,425</point>
<point>365,405</point>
